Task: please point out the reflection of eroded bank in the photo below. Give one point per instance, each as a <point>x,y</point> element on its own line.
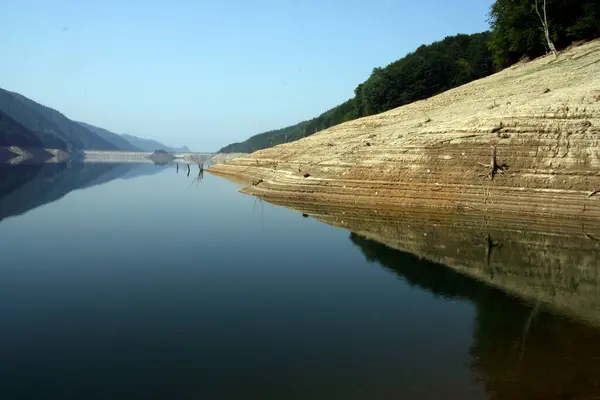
<point>15,155</point>
<point>519,351</point>
<point>555,262</point>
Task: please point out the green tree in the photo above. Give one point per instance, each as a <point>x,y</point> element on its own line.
<point>517,31</point>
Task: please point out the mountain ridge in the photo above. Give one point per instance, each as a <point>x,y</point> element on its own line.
<point>112,137</point>
<point>151,145</point>
<point>25,122</point>
<point>50,125</point>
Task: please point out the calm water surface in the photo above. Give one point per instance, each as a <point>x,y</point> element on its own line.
<point>133,281</point>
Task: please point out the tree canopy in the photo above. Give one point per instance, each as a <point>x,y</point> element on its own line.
<point>517,32</point>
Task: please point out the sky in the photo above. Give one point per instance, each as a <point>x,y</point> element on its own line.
<point>208,73</point>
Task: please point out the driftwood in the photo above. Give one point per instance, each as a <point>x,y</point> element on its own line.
<point>593,192</point>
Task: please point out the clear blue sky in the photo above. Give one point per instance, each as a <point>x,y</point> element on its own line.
<point>206,73</point>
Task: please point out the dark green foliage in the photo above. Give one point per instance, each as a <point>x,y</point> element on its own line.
<point>426,72</point>
<point>517,28</point>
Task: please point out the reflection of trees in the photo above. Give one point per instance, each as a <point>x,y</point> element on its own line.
<point>518,351</point>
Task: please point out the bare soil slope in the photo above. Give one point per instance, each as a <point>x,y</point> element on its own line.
<point>542,117</point>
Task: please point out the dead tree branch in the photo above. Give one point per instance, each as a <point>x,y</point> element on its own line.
<point>544,21</point>
<point>199,161</point>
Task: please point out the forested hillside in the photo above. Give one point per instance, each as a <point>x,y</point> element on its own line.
<point>423,73</point>
<point>516,32</point>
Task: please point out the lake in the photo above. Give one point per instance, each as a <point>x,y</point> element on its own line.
<point>122,281</point>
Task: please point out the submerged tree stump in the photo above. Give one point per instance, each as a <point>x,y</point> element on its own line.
<point>493,167</point>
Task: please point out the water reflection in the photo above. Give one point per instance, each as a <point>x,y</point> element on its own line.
<point>294,309</point>
<point>550,261</point>
<point>519,351</point>
<point>28,186</point>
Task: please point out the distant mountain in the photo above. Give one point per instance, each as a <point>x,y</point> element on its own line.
<point>50,126</point>
<point>183,149</point>
<point>116,139</point>
<point>152,145</point>
<point>25,123</point>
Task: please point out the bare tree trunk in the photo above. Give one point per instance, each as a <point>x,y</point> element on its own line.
<point>544,21</point>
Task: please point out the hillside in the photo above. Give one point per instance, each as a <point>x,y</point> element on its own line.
<point>150,145</point>
<point>117,140</point>
<point>423,73</point>
<point>133,143</point>
<point>23,122</point>
<point>53,128</point>
<point>183,149</point>
<point>542,117</point>
<point>14,134</point>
